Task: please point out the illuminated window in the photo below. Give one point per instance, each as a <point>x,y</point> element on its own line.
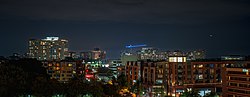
<point>159,82</point>
<point>70,65</point>
<point>184,59</point>
<point>172,59</point>
<point>179,59</point>
<point>200,76</point>
<point>57,68</point>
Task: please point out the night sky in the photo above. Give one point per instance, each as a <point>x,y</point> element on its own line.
<point>221,27</point>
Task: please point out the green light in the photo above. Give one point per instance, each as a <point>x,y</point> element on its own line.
<point>244,70</point>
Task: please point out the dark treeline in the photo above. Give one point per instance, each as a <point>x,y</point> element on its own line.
<point>25,77</point>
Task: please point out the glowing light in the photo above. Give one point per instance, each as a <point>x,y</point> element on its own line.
<point>89,76</point>
<point>134,46</point>
<point>177,59</point>
<point>51,38</point>
<point>244,70</point>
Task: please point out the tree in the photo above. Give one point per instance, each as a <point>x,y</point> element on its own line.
<point>41,87</point>
<point>12,80</point>
<point>211,94</point>
<point>192,93</point>
<point>110,90</point>
<point>32,66</point>
<point>159,91</point>
<point>96,88</point>
<point>75,88</point>
<point>137,87</point>
<point>122,81</point>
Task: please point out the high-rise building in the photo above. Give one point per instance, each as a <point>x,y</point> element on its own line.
<point>51,48</point>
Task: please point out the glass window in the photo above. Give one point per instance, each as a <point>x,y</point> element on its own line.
<point>70,65</point>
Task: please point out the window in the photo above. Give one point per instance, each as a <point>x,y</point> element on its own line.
<point>211,65</point>
<point>158,82</point>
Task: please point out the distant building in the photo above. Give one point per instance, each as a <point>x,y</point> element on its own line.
<point>196,54</point>
<point>92,64</point>
<point>148,53</point>
<point>95,54</point>
<point>233,57</point>
<point>104,74</point>
<point>176,53</point>
<point>50,48</point>
<point>128,57</point>
<point>15,56</point>
<point>98,54</point>
<point>73,55</point>
<point>115,66</point>
<point>3,60</point>
<point>62,71</point>
<point>85,55</point>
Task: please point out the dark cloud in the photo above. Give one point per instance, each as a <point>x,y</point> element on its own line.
<point>143,11</point>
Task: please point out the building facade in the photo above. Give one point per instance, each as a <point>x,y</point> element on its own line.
<point>62,70</point>
<point>153,77</point>
<point>95,54</point>
<point>236,79</point>
<point>133,71</point>
<point>51,48</point>
<point>149,74</point>
<point>202,75</point>
<point>115,66</point>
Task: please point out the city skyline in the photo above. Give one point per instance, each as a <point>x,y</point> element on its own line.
<point>219,27</point>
